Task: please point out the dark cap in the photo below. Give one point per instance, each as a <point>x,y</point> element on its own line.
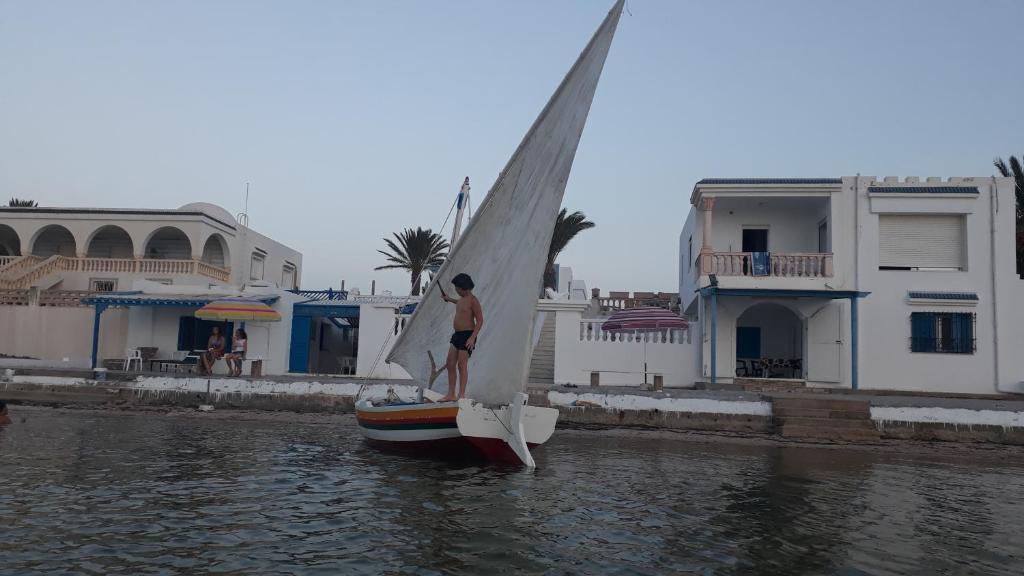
<point>463,281</point>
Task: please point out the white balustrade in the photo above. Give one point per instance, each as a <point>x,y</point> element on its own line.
<point>21,272</point>
<point>810,265</point>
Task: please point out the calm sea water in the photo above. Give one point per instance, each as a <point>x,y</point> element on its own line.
<point>105,493</point>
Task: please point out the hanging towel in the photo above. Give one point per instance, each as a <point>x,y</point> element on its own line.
<point>759,264</point>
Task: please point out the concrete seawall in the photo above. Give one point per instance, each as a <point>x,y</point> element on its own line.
<point>750,414</point>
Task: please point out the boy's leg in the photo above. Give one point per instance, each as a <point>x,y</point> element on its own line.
<point>463,372</point>
<point>451,365</point>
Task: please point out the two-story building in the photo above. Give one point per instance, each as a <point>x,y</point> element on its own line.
<point>106,249</point>
<point>855,282</point>
<point>82,285</point>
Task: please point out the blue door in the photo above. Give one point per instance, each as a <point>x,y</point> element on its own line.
<point>298,358</point>
<point>748,342</point>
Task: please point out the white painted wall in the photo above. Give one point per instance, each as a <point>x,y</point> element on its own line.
<point>276,255</point>
<point>55,333</point>
<point>887,361</point>
<point>620,363</point>
<point>376,338</point>
<point>792,223</point>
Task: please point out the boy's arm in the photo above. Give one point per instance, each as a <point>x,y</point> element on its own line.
<point>445,297</point>
<point>478,316</point>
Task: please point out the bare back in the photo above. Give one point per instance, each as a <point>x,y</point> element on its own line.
<point>467,313</point>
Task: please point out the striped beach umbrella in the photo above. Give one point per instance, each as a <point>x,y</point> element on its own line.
<point>644,319</point>
<point>240,309</point>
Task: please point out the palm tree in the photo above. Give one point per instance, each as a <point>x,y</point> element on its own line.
<point>415,251</point>
<point>1014,170</point>
<point>567,226</point>
<point>19,203</point>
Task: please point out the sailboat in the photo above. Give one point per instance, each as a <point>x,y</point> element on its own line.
<point>504,249</point>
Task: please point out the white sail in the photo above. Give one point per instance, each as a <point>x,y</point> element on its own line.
<point>505,247</point>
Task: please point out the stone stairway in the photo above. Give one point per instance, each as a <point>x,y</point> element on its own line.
<point>840,420</point>
<point>542,364</point>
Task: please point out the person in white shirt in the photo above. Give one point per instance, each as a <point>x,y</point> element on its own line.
<point>239,346</point>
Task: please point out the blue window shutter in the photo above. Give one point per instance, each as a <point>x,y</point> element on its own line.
<point>922,332</point>
<point>963,329</point>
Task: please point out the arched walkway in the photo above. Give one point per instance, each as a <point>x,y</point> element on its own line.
<point>110,242</point>
<point>215,251</point>
<point>769,342</point>
<point>10,243</point>
<point>168,243</point>
<point>54,240</point>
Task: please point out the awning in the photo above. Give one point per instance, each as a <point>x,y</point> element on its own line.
<point>128,299</point>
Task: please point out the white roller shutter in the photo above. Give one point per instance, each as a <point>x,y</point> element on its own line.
<point>921,241</point>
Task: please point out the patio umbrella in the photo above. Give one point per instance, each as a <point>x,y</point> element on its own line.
<point>241,309</point>
<point>644,319</point>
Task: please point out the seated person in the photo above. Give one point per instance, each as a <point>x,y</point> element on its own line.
<point>239,347</point>
<point>214,350</point>
<point>5,418</point>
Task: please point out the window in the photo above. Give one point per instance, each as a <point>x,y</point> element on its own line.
<point>288,277</point>
<point>823,237</point>
<point>256,266</point>
<point>942,332</point>
<point>755,240</point>
<point>689,253</point>
<point>102,285</point>
<point>921,242</point>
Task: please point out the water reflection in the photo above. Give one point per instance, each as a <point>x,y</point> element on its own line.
<point>128,493</point>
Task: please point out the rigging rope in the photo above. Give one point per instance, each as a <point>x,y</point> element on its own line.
<point>380,353</point>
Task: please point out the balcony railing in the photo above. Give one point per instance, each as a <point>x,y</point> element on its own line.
<point>24,271</point>
<point>778,265</point>
<point>32,297</point>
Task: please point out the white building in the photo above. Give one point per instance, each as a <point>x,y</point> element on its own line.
<point>856,282</point>
<point>132,278</point>
<point>104,249</point>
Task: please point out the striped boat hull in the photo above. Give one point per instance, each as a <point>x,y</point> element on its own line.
<point>429,430</point>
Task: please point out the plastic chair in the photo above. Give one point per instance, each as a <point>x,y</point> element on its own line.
<point>134,355</point>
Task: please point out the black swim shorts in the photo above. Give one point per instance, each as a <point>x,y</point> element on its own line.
<point>460,338</point>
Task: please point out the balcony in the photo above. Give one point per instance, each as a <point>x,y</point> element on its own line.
<point>807,265</point>
<point>24,271</point>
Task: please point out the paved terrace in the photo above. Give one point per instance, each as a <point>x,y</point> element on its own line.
<point>886,398</point>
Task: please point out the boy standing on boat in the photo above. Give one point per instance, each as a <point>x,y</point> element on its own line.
<point>469,318</point>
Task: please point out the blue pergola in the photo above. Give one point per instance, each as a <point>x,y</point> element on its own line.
<point>135,299</point>
<point>714,292</point>
<point>303,314</point>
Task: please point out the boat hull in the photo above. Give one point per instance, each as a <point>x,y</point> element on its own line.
<point>451,430</point>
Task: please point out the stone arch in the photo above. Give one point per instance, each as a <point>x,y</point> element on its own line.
<point>774,332</point>
<point>10,242</point>
<point>110,242</point>
<point>54,240</point>
<point>215,251</point>
<point>168,243</point>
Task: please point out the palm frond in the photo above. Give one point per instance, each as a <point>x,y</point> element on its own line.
<point>414,250</point>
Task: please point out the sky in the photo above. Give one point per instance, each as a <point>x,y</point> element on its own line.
<point>351,120</point>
